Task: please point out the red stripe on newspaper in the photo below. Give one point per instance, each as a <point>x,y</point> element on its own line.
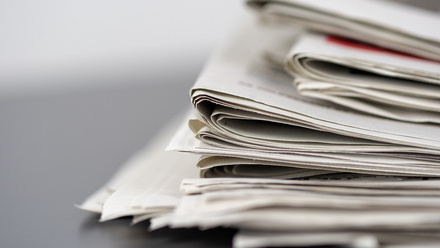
<point>368,47</point>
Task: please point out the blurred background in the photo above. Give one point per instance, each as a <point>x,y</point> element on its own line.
<point>50,45</point>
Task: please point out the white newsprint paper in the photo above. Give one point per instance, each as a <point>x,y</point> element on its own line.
<point>254,239</point>
<point>366,78</point>
<point>247,109</point>
<point>147,184</point>
<point>384,23</point>
<point>240,79</point>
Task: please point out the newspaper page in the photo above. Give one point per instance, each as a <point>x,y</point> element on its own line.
<point>185,141</point>
<point>384,23</point>
<point>240,96</point>
<point>366,78</point>
<point>345,184</point>
<point>281,210</point>
<point>238,78</point>
<point>254,239</point>
<point>371,204</point>
<point>148,184</point>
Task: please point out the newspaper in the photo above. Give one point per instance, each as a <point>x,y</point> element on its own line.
<point>147,185</point>
<point>270,209</point>
<point>388,24</point>
<point>240,79</point>
<point>359,185</point>
<point>369,204</point>
<point>325,162</point>
<point>366,78</point>
<point>254,239</point>
<point>247,109</point>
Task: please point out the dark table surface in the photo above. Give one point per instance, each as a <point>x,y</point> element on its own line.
<point>58,147</point>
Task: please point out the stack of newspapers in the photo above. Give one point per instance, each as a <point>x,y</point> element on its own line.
<point>317,123</point>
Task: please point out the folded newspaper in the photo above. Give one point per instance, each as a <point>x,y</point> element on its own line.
<point>316,205</point>
<point>248,113</point>
<point>366,78</point>
<point>356,74</point>
<point>388,24</point>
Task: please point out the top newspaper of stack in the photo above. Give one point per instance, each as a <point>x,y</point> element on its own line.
<point>384,23</point>
<point>402,83</point>
<point>247,108</point>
